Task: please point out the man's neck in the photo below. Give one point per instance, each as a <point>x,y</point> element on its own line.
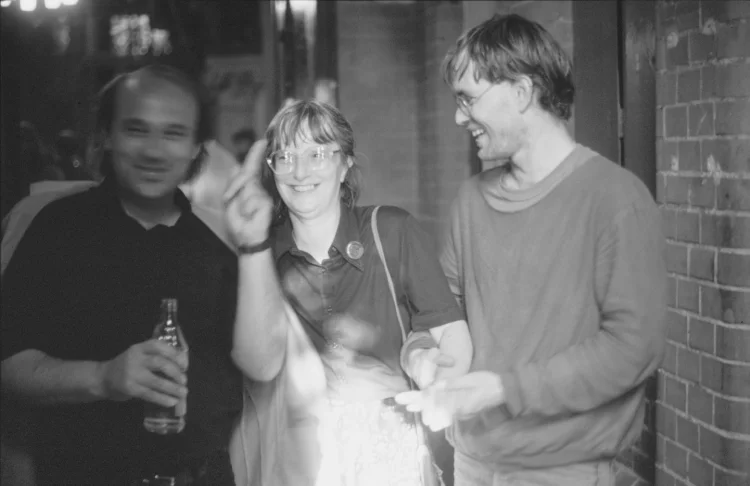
<point>151,212</point>
<point>546,148</point>
<point>316,235</point>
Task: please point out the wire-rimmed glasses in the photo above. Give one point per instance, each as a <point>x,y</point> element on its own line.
<point>283,162</point>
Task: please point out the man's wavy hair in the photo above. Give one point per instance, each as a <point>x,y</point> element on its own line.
<point>310,121</point>
<point>508,46</point>
<point>106,104</point>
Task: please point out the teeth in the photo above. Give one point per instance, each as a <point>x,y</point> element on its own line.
<point>306,188</point>
<point>476,133</point>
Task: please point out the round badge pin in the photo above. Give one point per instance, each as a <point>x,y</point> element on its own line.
<point>355,250</point>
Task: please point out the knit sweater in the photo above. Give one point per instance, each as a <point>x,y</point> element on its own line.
<point>564,288</point>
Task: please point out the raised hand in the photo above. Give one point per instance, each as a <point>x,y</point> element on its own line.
<point>152,370</point>
<point>248,207</point>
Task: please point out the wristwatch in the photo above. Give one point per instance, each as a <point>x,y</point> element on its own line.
<point>250,249</point>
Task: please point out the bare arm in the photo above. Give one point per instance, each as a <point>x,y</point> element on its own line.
<point>138,372</point>
<point>43,380</point>
<point>260,330</point>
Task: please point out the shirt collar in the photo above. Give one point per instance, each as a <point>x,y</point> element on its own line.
<point>347,232</point>
<point>108,192</point>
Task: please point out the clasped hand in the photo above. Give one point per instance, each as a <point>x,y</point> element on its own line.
<point>446,401</point>
<point>152,370</point>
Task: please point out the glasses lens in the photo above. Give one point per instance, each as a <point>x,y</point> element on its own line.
<point>282,162</point>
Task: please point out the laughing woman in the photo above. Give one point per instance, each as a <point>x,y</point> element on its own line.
<point>304,244</point>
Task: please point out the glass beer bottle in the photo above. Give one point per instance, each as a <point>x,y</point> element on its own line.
<point>158,419</point>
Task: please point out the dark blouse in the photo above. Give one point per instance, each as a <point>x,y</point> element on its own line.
<point>85,284</point>
<point>346,300</point>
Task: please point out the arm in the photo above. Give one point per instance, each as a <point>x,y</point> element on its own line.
<point>44,380</point>
<point>260,329</point>
<point>454,341</point>
<point>631,281</point>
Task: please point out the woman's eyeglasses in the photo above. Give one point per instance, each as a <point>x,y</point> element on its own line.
<point>284,162</point>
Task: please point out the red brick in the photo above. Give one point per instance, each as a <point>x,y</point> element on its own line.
<point>731,155</point>
<point>666,421</point>
<point>700,471</point>
<point>672,293</point>
<point>708,82</point>
<point>661,188</point>
<point>687,434</point>
<point>732,194</point>
<point>725,10</point>
<point>700,404</point>
<point>688,365</point>
<point>675,458</point>
<point>677,259</point>
<point>670,359</point>
<point>725,305</point>
<point>732,269</point>
<point>725,378</point>
<point>702,192</point>
<point>687,226</point>
<point>724,451</point>
<point>677,328</point>
<point>733,344</point>
<point>702,263</point>
<point>675,394</point>
<point>726,478</point>
<point>727,231</point>
<point>663,478</point>
<point>702,46</point>
<point>701,119</point>
<point>732,117</point>
<point>677,55</point>
<point>689,86</point>
<point>677,189</point>
<point>733,80</point>
<point>689,152</point>
<point>733,41</point>
<point>666,88</point>
<point>668,221</point>
<point>688,295</point>
<point>701,335</point>
<point>675,121</point>
<point>667,155</point>
<point>732,415</point>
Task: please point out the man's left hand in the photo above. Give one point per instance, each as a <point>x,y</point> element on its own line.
<point>454,399</point>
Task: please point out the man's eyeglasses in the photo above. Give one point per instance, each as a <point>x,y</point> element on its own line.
<point>284,162</point>
<point>466,102</point>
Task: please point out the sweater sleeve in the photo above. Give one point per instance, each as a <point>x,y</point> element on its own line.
<point>631,289</point>
<point>449,255</point>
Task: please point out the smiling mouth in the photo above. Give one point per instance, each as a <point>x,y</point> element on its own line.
<point>305,188</point>
<point>152,170</point>
<point>476,133</point>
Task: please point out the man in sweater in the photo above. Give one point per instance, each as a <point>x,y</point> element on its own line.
<point>557,257</point>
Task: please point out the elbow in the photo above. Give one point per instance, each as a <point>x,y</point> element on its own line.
<point>259,368</point>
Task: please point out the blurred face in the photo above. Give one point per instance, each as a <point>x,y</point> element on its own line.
<point>310,192</point>
<point>491,113</point>
<point>152,139</point>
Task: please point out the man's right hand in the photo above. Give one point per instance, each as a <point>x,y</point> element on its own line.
<point>248,207</point>
<point>152,371</point>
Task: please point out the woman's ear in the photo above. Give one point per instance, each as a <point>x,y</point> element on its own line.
<point>349,164</point>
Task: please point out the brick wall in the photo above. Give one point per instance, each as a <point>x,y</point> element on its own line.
<point>703,188</point>
<point>379,55</point>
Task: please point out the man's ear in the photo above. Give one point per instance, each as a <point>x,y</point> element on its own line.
<point>524,90</point>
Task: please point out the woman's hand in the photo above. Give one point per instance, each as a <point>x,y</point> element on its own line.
<point>248,208</point>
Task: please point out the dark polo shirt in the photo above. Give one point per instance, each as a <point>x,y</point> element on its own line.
<point>346,299</point>
<point>85,284</point>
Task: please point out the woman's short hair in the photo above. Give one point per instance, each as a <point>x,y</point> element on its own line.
<point>310,121</point>
<point>508,46</point>
<point>106,104</point>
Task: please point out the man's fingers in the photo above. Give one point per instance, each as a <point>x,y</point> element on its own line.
<point>407,398</point>
<point>156,397</point>
<point>444,360</point>
<point>166,367</point>
<point>165,386</point>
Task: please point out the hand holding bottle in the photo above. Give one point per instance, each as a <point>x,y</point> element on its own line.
<point>152,370</point>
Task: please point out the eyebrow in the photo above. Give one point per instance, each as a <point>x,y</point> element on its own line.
<point>140,122</point>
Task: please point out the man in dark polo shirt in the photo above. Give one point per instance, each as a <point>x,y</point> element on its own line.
<point>81,299</point>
